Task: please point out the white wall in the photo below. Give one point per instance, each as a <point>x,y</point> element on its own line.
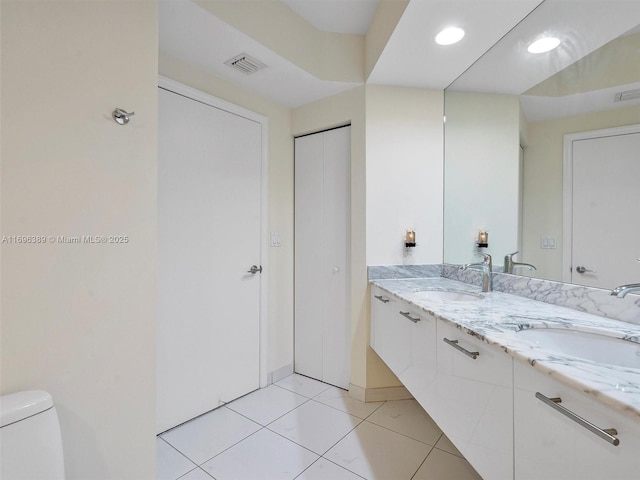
<point>404,174</point>
<point>280,151</point>
<point>481,174</point>
<point>78,320</point>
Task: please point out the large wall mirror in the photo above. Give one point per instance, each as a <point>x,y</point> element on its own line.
<point>542,150</point>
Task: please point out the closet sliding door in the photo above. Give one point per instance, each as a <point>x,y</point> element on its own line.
<point>322,225</point>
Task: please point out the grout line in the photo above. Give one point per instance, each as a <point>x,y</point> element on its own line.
<point>295,443</point>
<point>179,451</point>
<point>422,463</point>
<point>197,468</point>
<point>376,409</point>
<point>187,473</point>
<point>343,437</point>
<point>229,447</point>
<point>341,466</point>
<point>404,435</point>
<point>297,476</point>
<point>339,410</point>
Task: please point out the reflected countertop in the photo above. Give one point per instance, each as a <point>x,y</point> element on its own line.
<point>498,317</point>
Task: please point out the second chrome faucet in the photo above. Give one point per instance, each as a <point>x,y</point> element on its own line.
<point>487,269</point>
<point>510,264</point>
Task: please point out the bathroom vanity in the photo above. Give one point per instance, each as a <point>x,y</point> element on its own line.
<point>524,389</point>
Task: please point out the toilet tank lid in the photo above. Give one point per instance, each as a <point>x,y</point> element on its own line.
<point>18,406</point>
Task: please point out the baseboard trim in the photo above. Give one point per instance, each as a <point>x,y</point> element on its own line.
<point>379,394</point>
<point>279,374</point>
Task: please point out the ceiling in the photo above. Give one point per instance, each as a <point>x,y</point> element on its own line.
<point>410,57</point>
<point>337,16</point>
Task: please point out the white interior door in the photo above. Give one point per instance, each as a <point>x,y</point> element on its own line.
<point>209,235</point>
<point>322,206</point>
<point>605,230</point>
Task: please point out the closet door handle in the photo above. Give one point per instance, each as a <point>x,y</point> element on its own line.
<point>454,344</point>
<point>382,299</point>
<point>604,433</point>
<point>408,315</point>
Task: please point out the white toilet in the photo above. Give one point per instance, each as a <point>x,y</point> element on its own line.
<point>30,439</point>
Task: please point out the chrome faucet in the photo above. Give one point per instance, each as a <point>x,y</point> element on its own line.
<point>487,269</point>
<point>622,290</point>
<point>510,264</point>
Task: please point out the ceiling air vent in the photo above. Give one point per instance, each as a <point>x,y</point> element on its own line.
<point>245,64</point>
<point>628,95</point>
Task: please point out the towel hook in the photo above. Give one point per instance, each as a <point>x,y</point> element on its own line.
<point>121,116</point>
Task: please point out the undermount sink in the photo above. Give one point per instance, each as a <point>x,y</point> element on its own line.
<point>447,296</point>
<point>598,348</point>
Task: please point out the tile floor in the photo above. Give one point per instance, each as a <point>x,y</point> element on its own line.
<point>299,428</point>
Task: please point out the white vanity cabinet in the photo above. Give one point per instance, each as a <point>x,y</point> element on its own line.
<point>392,325</point>
<point>475,400</point>
<point>549,444</point>
<point>420,375</point>
<point>389,335</point>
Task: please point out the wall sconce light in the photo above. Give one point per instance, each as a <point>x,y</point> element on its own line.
<point>483,239</point>
<point>410,239</point>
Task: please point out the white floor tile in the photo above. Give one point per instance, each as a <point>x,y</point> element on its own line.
<point>197,474</point>
<point>445,444</point>
<point>264,455</point>
<point>170,464</point>
<point>315,426</point>
<point>325,470</point>
<point>208,435</point>
<point>408,418</point>
<point>439,465</point>
<point>267,404</point>
<point>376,453</point>
<point>340,399</point>
<point>303,385</point>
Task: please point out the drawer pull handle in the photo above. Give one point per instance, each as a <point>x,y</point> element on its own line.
<point>606,433</point>
<point>407,315</point>
<point>382,299</point>
<point>454,344</point>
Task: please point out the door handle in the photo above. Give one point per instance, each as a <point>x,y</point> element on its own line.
<point>582,269</point>
<point>255,269</point>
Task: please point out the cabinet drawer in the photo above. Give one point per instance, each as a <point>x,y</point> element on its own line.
<point>475,400</point>
<point>420,375</point>
<point>551,444</point>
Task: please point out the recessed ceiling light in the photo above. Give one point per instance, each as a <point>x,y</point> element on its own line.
<point>543,44</point>
<point>449,36</point>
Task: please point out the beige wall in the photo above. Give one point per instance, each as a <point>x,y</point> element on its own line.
<point>78,320</point>
<point>543,165</point>
<point>280,336</point>
<point>482,150</point>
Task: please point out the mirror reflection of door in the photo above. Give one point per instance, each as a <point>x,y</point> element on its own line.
<point>603,221</point>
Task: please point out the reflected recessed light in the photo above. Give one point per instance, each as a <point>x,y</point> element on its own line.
<point>449,36</point>
<point>544,44</point>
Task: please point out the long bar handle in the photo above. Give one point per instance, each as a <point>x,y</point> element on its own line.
<point>606,433</point>
<point>382,299</point>
<point>408,315</point>
<point>454,344</point>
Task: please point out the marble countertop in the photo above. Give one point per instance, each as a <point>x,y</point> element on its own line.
<point>497,319</point>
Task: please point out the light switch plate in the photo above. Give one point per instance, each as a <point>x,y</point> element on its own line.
<point>275,239</point>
